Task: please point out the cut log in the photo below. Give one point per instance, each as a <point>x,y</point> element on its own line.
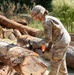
<point>8,34</point>
<point>31,66</point>
<point>72,36</point>
<point>17,33</point>
<point>1,32</point>
<point>72,43</point>
<point>23,40</point>
<point>22,22</point>
<point>23,61</point>
<point>23,29</point>
<point>18,19</point>
<point>70,57</point>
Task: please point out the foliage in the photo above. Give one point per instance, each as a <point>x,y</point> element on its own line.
<point>45,3</point>
<point>64,9</point>
<point>29,4</point>
<point>36,24</point>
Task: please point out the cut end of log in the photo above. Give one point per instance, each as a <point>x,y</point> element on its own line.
<point>31,65</point>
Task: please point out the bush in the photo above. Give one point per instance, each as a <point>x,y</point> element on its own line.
<point>64,9</point>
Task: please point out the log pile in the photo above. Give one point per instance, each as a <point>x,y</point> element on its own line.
<point>22,60</point>
<point>23,29</point>
<point>29,63</point>
<point>14,58</point>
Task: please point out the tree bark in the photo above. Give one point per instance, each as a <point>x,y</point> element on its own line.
<point>72,43</point>
<point>72,36</point>
<point>23,61</point>
<point>70,57</point>
<point>23,40</point>
<point>23,29</point>
<point>1,32</point>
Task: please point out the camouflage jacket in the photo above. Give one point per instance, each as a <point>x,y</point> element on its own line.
<point>54,32</point>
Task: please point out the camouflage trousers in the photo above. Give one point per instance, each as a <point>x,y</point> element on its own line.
<point>58,62</point>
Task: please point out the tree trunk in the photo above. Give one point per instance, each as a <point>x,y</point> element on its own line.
<point>1,32</point>
<point>24,39</point>
<point>72,36</point>
<point>72,43</point>
<point>23,61</point>
<point>23,29</point>
<point>70,57</point>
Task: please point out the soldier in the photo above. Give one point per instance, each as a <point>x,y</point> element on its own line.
<point>58,35</point>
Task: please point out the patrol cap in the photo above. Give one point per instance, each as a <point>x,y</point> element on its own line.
<point>38,9</point>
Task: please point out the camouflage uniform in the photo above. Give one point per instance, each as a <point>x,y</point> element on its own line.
<point>60,38</point>
<point>57,34</point>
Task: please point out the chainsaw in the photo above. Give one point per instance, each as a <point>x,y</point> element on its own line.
<point>33,46</point>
